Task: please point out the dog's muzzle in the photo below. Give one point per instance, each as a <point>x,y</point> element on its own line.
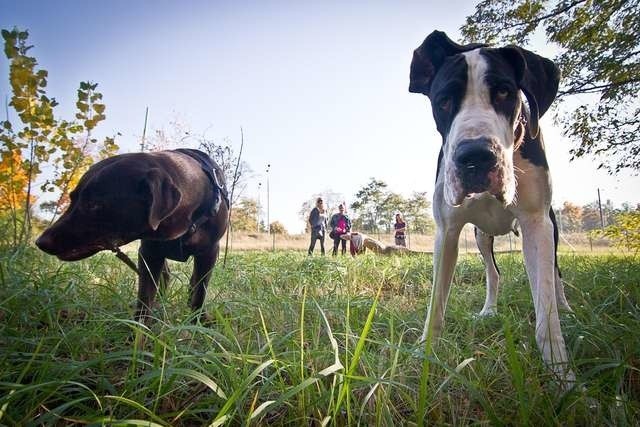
<point>475,163</point>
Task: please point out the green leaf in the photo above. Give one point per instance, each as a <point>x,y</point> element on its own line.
<point>99,108</point>
<point>82,95</point>
<point>82,106</point>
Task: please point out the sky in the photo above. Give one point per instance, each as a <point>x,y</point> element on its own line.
<point>319,88</point>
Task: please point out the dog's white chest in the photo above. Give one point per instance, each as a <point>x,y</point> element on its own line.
<point>489,215</point>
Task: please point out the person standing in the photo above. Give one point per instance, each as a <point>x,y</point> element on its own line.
<point>401,227</point>
<point>318,223</point>
<point>340,224</point>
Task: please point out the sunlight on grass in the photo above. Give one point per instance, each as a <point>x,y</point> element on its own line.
<point>298,341</point>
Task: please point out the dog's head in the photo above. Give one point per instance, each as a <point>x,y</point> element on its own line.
<point>357,241</point>
<point>116,201</point>
<point>475,98</point>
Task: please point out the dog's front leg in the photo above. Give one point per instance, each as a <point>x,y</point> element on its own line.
<point>445,255</point>
<point>538,248</point>
<point>150,266</point>
<point>202,268</point>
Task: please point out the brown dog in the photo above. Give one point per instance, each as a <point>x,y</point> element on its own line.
<point>360,242</point>
<point>174,201</point>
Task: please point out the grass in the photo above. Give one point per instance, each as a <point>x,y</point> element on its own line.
<point>573,242</point>
<point>309,341</point>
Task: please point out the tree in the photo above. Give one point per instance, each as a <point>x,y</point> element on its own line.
<point>40,139</point>
<point>166,138</point>
<point>392,203</point>
<point>417,213</point>
<point>369,205</point>
<point>570,218</point>
<point>625,231</point>
<point>331,201</point>
<point>77,150</point>
<point>599,55</point>
<point>244,216</point>
<point>179,134</point>
<point>225,156</point>
<point>13,182</point>
<point>591,216</point>
<point>376,208</point>
<point>277,227</point>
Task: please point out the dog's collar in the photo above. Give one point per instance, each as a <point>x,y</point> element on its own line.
<point>519,131</point>
<point>113,247</point>
<point>197,223</point>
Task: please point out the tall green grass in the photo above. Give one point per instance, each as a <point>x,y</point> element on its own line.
<point>309,341</point>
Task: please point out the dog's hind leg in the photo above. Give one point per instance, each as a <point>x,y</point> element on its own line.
<point>561,299</point>
<point>445,255</point>
<point>563,304</point>
<point>202,268</point>
<point>492,273</point>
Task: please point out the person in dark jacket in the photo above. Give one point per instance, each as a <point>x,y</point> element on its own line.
<point>400,227</point>
<point>318,223</point>
<point>340,224</point>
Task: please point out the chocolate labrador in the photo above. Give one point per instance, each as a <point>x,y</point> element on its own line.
<point>174,201</point>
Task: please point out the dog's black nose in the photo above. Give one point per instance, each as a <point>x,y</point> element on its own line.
<point>45,243</point>
<point>474,156</point>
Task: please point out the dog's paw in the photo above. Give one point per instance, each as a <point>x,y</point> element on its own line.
<point>485,313</point>
<point>203,319</point>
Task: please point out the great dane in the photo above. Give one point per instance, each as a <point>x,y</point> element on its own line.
<point>492,172</point>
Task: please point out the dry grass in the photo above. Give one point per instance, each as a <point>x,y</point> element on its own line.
<point>569,243</point>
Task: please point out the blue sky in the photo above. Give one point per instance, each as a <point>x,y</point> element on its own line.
<point>320,88</point>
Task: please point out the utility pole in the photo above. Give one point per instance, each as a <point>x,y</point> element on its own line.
<point>144,129</point>
<point>600,207</point>
<point>268,223</point>
<point>259,208</point>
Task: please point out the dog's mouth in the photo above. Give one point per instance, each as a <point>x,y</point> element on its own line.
<point>479,168</point>
<point>468,184</point>
<point>76,254</point>
<point>492,183</point>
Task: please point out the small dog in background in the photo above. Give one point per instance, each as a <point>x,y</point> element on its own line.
<point>360,242</point>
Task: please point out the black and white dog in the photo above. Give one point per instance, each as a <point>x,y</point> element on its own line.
<point>492,172</point>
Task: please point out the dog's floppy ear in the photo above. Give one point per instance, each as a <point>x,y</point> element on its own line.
<point>429,57</point>
<point>165,196</point>
<point>538,78</point>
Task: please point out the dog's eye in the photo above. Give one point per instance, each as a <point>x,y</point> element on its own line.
<point>502,93</point>
<point>445,104</point>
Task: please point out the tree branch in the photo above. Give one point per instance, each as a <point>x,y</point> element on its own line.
<point>596,88</point>
<point>538,20</point>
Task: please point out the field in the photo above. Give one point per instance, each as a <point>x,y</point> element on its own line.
<point>299,340</point>
<point>572,242</point>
